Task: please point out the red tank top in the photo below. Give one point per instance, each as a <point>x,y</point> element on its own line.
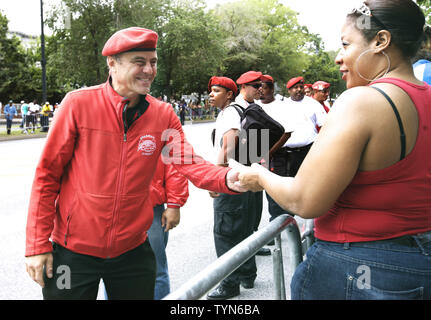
<point>391,202</point>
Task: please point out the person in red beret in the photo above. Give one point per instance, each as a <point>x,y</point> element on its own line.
<point>309,118</point>
<point>239,207</point>
<point>308,88</point>
<point>90,207</point>
<point>278,155</point>
<point>250,84</point>
<point>321,93</point>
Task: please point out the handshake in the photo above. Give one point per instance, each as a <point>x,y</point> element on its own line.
<point>243,178</point>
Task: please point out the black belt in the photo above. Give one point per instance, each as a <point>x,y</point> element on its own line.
<point>299,149</point>
<point>409,241</point>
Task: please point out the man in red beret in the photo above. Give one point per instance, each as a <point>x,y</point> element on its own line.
<point>278,155</point>
<point>90,193</point>
<point>249,83</point>
<point>321,93</point>
<point>309,118</point>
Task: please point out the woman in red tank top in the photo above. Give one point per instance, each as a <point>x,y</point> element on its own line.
<point>371,201</point>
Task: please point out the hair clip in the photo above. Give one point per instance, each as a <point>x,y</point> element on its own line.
<point>362,9</point>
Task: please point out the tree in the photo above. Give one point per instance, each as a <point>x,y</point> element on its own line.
<point>74,52</point>
<point>12,65</point>
<point>426,7</point>
<point>266,36</point>
<point>321,66</point>
<point>189,50</point>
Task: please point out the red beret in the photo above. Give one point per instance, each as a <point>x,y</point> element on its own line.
<point>294,81</point>
<point>308,85</point>
<point>321,85</point>
<point>223,82</point>
<point>249,77</point>
<point>267,78</point>
<point>130,39</point>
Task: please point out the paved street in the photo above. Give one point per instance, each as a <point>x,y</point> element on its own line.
<point>190,248</point>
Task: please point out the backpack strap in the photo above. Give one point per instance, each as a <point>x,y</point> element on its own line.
<point>239,109</point>
<point>400,122</point>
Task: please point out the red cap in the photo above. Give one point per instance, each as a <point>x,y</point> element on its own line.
<point>130,39</point>
<point>321,85</point>
<point>308,85</point>
<point>294,81</point>
<point>249,77</point>
<point>267,78</point>
<point>223,82</point>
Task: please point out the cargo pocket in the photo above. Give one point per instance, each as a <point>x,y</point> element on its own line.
<point>228,223</point>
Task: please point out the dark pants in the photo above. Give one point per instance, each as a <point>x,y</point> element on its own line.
<point>279,166</point>
<point>77,276</point>
<point>44,122</point>
<point>235,219</point>
<point>8,125</point>
<point>295,158</point>
<point>30,118</point>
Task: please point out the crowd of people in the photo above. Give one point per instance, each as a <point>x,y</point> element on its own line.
<point>110,184</point>
<point>30,114</point>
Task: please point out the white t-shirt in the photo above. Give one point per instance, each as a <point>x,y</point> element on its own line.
<point>227,119</point>
<point>33,107</point>
<point>308,114</point>
<point>280,112</point>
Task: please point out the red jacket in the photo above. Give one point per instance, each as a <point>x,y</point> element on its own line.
<point>91,188</point>
<point>168,186</point>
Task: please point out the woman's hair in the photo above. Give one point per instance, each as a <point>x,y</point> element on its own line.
<point>402,18</point>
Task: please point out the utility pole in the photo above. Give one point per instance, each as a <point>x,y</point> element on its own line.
<point>42,41</point>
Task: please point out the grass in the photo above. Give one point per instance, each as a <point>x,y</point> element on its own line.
<point>17,133</point>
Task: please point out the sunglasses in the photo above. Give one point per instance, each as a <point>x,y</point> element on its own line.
<point>255,85</point>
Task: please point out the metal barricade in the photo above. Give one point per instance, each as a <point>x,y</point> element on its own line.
<point>200,284</point>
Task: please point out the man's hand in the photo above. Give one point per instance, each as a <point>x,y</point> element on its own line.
<point>214,194</point>
<point>232,178</point>
<point>35,266</point>
<point>170,218</point>
<point>247,178</point>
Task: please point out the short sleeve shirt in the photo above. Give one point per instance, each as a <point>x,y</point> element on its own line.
<point>309,114</point>
<point>227,119</point>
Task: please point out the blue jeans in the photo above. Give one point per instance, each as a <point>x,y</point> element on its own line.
<point>158,240</point>
<point>389,269</point>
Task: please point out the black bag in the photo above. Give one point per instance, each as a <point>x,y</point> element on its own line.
<point>259,133</point>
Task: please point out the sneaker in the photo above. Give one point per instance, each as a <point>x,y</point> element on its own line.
<point>223,293</point>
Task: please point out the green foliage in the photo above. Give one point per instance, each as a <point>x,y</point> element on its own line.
<point>194,44</point>
<point>426,7</point>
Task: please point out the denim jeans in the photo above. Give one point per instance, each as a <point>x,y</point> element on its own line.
<point>158,240</point>
<point>388,269</point>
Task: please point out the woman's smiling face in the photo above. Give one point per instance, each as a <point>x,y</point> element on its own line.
<point>353,45</point>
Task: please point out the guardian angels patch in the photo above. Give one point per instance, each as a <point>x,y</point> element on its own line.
<point>147,144</point>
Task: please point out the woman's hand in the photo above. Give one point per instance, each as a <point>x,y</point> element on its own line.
<point>248,177</point>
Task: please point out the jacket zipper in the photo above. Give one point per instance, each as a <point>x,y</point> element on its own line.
<point>120,179</point>
<point>126,128</point>
<point>67,230</point>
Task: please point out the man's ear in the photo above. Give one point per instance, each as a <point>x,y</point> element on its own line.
<point>382,40</point>
<point>230,95</point>
<point>111,62</point>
